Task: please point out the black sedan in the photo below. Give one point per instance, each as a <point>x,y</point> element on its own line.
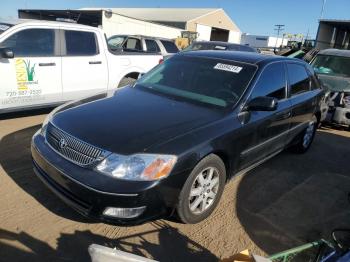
<point>170,142</point>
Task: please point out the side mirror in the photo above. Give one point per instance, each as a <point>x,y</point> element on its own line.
<point>262,103</point>
<point>6,53</point>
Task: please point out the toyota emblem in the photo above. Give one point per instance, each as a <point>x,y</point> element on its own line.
<point>62,143</point>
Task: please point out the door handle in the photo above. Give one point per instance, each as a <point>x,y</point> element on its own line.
<point>47,64</point>
<point>284,115</point>
<point>95,62</point>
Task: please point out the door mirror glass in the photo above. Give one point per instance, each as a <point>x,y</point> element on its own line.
<point>6,53</point>
<point>262,103</point>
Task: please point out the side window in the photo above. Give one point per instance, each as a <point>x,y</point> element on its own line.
<point>298,79</point>
<point>152,46</point>
<point>32,42</point>
<point>169,46</point>
<point>272,82</point>
<point>133,43</point>
<point>80,43</point>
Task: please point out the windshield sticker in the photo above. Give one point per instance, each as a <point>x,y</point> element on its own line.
<point>220,47</point>
<point>4,27</point>
<point>229,68</point>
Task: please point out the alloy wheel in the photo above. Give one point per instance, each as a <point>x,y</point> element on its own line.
<point>204,190</point>
<point>309,132</point>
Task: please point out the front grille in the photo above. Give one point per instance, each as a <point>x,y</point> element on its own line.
<point>72,148</point>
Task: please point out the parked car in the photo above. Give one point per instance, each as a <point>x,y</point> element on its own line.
<point>218,45</point>
<point>139,43</point>
<point>171,141</point>
<point>333,69</point>
<point>44,63</point>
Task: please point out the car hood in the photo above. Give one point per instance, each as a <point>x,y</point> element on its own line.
<point>335,83</point>
<point>131,120</point>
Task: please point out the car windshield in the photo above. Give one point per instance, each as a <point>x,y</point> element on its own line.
<point>4,27</point>
<point>209,81</point>
<point>332,65</point>
<point>116,42</point>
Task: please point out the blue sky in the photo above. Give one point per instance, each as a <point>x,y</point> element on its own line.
<point>252,16</point>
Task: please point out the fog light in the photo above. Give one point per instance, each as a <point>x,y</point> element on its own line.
<point>123,212</point>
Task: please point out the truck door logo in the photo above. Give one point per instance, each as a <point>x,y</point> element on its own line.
<point>25,74</point>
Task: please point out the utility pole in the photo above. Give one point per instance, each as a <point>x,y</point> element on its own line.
<point>322,10</point>
<point>278,28</point>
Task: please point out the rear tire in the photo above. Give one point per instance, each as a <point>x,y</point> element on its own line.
<point>126,81</point>
<point>202,190</point>
<point>307,137</point>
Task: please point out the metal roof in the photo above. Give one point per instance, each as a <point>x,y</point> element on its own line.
<point>335,22</point>
<point>161,14</point>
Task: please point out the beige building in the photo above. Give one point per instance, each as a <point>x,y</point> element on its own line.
<point>210,23</point>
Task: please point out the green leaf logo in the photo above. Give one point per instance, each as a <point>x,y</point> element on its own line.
<point>30,70</point>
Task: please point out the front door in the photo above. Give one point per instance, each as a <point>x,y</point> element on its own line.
<point>270,128</point>
<point>84,64</point>
<point>33,76</point>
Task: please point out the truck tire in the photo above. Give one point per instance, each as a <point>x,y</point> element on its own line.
<point>126,81</point>
<point>202,190</point>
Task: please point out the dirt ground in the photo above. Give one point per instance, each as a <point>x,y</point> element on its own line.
<point>287,201</point>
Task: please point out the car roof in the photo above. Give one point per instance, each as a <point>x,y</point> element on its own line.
<point>245,57</point>
<point>335,52</point>
<point>41,22</point>
<point>143,36</point>
<point>217,43</point>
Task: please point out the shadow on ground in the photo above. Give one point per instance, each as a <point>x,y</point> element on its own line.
<point>74,247</point>
<point>293,199</point>
<point>26,113</point>
<point>15,159</point>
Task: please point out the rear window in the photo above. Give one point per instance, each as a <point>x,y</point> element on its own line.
<point>169,46</point>
<point>152,46</point>
<point>209,81</point>
<point>80,43</point>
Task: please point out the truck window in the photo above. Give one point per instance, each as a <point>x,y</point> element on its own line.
<point>80,43</point>
<point>169,46</point>
<point>133,43</point>
<point>272,82</point>
<point>298,78</point>
<point>31,43</point>
<point>152,45</point>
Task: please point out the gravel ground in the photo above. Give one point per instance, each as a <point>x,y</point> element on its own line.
<point>285,202</point>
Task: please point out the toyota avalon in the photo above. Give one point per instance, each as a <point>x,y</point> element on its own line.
<point>168,144</point>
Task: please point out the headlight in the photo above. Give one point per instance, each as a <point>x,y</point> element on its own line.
<point>138,167</point>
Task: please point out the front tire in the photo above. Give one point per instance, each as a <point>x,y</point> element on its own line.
<point>126,81</point>
<point>307,137</point>
<point>202,190</point>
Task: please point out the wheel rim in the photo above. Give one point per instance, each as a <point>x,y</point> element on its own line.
<point>204,190</point>
<point>309,132</point>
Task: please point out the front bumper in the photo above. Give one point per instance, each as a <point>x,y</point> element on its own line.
<point>90,192</point>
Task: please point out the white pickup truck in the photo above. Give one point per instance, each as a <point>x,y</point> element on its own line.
<point>46,63</point>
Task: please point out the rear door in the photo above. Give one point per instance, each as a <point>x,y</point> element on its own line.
<point>33,76</point>
<point>303,99</point>
<point>84,64</point>
<point>270,128</point>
